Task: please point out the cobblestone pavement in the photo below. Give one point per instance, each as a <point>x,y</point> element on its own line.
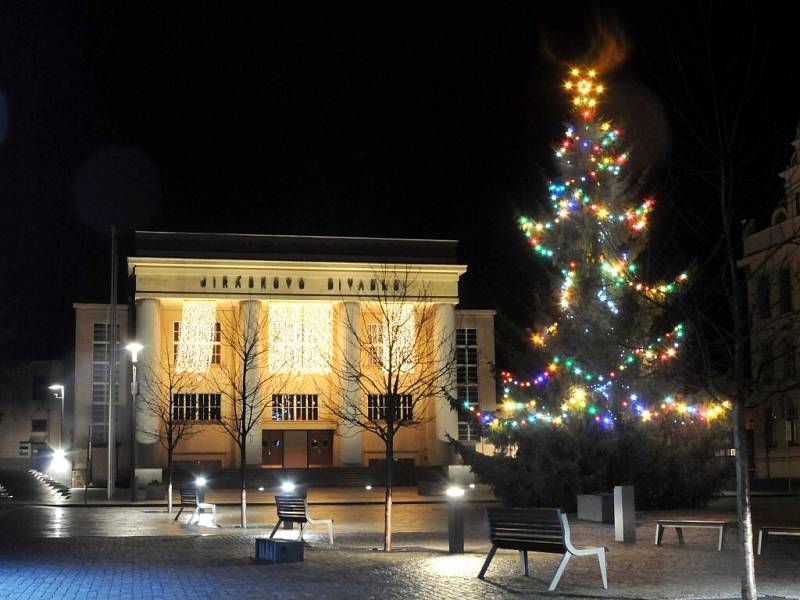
<point>140,552</point>
<point>222,567</point>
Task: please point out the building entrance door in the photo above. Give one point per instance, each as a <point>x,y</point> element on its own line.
<point>320,448</point>
<point>272,448</point>
<point>295,449</point>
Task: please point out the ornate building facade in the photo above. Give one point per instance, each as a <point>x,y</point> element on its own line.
<point>321,313</point>
<point>771,263</point>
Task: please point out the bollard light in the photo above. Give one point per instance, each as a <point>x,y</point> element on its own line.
<point>200,481</point>
<point>287,486</point>
<point>455,519</point>
<point>369,487</point>
<point>455,491</point>
<point>261,488</point>
<point>472,486</point>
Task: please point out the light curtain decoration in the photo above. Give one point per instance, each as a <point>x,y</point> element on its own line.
<point>301,337</point>
<point>196,343</point>
<point>393,340</point>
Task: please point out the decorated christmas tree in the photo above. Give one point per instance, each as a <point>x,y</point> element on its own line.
<point>605,342</point>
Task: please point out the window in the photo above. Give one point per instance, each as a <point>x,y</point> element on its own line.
<point>39,425</point>
<point>791,422</point>
<point>101,359</point>
<point>301,337</point>
<point>376,407</point>
<point>762,297</point>
<point>767,363</point>
<point>216,349</point>
<point>785,290</point>
<point>797,203</point>
<point>295,407</point>
<point>770,418</point>
<point>196,407</point>
<point>467,380</point>
<point>391,343</point>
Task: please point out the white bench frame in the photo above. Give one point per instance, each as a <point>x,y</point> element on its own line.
<point>600,551</point>
<point>195,518</point>
<point>681,524</point>
<point>766,530</point>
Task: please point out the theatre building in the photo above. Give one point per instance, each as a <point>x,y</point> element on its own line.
<point>322,313</point>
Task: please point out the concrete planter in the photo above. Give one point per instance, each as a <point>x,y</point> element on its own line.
<point>155,492</point>
<point>596,507</point>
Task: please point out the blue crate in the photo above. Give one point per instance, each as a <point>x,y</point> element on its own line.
<point>278,551</point>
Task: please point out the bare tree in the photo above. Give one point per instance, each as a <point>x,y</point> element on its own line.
<point>718,158</point>
<point>243,381</point>
<point>400,368</point>
<point>160,386</point>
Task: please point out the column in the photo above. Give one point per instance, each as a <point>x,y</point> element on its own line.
<point>253,331</point>
<point>347,342</point>
<point>148,334</point>
<point>446,419</point>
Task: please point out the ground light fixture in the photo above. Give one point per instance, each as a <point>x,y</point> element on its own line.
<point>369,487</point>
<point>287,486</point>
<point>455,491</point>
<point>200,481</point>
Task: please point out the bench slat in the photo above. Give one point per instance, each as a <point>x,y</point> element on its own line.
<point>536,529</point>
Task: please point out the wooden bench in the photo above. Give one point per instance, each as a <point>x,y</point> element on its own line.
<point>681,524</point>
<point>294,509</point>
<point>536,530</point>
<point>190,497</point>
<point>766,530</point>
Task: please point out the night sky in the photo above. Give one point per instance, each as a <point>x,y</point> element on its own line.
<point>406,121</point>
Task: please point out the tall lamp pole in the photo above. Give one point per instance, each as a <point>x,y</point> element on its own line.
<point>134,348</point>
<point>56,387</point>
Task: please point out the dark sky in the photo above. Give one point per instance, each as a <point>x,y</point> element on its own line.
<point>406,121</point>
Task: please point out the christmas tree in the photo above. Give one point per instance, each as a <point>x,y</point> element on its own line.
<point>604,408</point>
<point>603,342</point>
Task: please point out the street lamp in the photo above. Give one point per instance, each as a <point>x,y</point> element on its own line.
<point>134,348</point>
<point>56,387</point>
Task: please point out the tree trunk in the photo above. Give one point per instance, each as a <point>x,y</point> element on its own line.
<point>387,510</point>
<point>243,481</point>
<point>746,558</point>
<point>169,481</point>
<point>747,571</point>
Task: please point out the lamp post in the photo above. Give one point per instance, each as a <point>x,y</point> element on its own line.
<point>56,387</point>
<point>134,348</point>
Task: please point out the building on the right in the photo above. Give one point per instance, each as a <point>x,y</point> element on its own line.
<point>771,264</point>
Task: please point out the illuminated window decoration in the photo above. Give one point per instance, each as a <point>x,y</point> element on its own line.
<point>391,343</point>
<point>301,337</point>
<point>197,337</point>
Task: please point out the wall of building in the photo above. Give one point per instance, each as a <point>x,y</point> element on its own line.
<point>25,397</point>
<point>86,315</point>
<point>771,266</point>
<point>162,286</point>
